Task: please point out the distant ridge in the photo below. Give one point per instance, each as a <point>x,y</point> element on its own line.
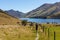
<point>15,13</point>
<point>46,11</point>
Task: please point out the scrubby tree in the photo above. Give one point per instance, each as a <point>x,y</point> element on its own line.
<point>31,24</point>
<point>24,22</point>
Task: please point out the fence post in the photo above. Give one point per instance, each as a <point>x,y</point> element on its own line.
<point>54,35</point>
<point>36,27</point>
<point>48,33</point>
<point>43,28</point>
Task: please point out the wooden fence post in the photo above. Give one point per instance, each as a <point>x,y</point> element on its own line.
<point>48,33</point>
<point>54,35</point>
<point>43,28</point>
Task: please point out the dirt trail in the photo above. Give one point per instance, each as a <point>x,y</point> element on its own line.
<point>37,36</point>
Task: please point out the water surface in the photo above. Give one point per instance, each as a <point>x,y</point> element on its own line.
<point>41,20</point>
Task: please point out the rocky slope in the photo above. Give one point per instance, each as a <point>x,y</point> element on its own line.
<point>15,13</point>
<point>46,11</point>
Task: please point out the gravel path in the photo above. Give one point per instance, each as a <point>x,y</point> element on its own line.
<point>37,36</point>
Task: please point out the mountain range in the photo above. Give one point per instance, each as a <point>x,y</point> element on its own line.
<point>46,11</point>
<point>14,13</point>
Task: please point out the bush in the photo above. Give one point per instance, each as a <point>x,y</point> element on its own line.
<point>48,23</point>
<point>31,24</point>
<point>24,22</point>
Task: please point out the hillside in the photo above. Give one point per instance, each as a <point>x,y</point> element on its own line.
<point>15,13</point>
<point>11,29</point>
<point>7,19</point>
<point>45,11</point>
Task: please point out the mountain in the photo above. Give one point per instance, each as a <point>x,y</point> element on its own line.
<point>15,13</point>
<point>45,11</point>
<point>38,10</point>
<point>7,19</point>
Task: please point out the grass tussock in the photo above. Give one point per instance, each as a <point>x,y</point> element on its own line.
<point>16,32</point>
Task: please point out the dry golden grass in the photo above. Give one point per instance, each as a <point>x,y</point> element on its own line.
<point>7,19</point>
<point>11,29</point>
<point>16,32</point>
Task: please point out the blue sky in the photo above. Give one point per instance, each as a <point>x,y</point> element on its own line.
<point>23,5</point>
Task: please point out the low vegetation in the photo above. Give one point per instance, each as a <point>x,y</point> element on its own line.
<point>24,22</point>
<point>12,28</point>
<point>51,32</point>
<point>16,32</point>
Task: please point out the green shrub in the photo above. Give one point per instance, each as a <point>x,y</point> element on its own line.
<point>24,22</point>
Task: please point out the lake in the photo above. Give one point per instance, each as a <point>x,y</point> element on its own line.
<point>41,20</point>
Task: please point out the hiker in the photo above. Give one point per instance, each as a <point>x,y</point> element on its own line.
<point>36,27</point>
